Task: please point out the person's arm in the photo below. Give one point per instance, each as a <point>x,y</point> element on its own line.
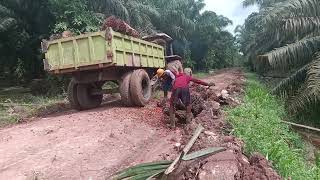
<point>198,81</point>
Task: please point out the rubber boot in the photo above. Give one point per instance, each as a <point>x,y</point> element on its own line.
<point>172,118</point>
<point>164,100</point>
<point>189,115</point>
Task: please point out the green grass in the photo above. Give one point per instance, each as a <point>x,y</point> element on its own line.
<point>17,103</point>
<point>258,123</point>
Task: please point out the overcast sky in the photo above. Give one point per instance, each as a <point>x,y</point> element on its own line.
<point>232,9</point>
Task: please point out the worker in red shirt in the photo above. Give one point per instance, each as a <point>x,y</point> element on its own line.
<point>180,91</point>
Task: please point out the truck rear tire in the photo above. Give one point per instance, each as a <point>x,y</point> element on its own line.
<point>125,89</point>
<point>86,99</point>
<point>175,66</point>
<point>140,87</point>
<point>72,95</point>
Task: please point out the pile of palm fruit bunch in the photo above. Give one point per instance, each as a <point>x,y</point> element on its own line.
<point>119,25</point>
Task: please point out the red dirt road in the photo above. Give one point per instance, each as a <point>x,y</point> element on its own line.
<point>91,144</point>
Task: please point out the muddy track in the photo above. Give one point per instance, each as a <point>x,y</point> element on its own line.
<point>95,143</point>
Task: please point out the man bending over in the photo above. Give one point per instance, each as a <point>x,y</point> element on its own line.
<point>181,91</point>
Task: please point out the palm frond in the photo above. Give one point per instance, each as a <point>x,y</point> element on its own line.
<point>146,9</point>
<point>300,99</point>
<point>7,19</point>
<point>248,3</point>
<point>299,52</point>
<point>289,85</point>
<point>110,7</point>
<point>141,15</point>
<point>303,87</point>
<point>4,11</point>
<point>313,81</point>
<point>290,8</point>
<point>301,25</point>
<point>261,3</point>
<point>6,23</point>
<point>182,20</point>
<point>142,171</point>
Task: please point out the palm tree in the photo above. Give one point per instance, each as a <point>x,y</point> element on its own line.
<point>23,23</point>
<point>177,16</point>
<point>7,18</point>
<point>138,13</point>
<point>260,3</point>
<point>292,28</point>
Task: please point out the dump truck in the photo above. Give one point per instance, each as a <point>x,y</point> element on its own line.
<point>92,59</point>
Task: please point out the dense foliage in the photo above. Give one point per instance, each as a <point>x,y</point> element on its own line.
<point>200,37</point>
<point>284,37</point>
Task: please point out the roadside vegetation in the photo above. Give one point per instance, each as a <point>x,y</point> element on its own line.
<point>258,122</point>
<point>17,103</point>
<point>283,38</point>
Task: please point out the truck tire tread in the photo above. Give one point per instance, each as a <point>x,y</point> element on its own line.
<point>125,89</point>
<point>140,95</point>
<point>72,95</point>
<point>86,100</point>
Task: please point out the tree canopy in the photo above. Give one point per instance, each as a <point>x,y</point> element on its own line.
<point>284,36</point>
<point>200,36</point>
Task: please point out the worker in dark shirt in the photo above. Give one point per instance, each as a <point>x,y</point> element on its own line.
<point>180,91</point>
<point>166,77</point>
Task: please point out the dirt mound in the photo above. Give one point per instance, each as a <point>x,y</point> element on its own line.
<point>257,168</point>
<point>206,108</point>
<point>202,99</point>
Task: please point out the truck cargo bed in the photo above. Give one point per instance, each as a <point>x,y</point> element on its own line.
<point>100,50</point>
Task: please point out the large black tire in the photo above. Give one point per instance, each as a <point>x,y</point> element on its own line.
<point>86,99</point>
<point>175,66</point>
<point>140,87</point>
<point>125,89</point>
<point>72,95</point>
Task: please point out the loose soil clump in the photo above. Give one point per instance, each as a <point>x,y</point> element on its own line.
<point>257,168</point>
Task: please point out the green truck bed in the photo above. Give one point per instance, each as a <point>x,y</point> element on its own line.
<point>100,50</point>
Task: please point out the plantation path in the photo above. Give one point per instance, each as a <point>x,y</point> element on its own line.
<point>91,144</point>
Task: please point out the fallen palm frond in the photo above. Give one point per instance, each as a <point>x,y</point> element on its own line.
<point>162,169</point>
<point>202,153</point>
<point>143,170</point>
<point>185,150</point>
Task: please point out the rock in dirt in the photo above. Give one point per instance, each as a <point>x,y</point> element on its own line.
<point>215,105</point>
<point>220,166</point>
<point>228,139</point>
<point>258,168</point>
<point>209,133</point>
<point>235,88</point>
<point>224,94</point>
